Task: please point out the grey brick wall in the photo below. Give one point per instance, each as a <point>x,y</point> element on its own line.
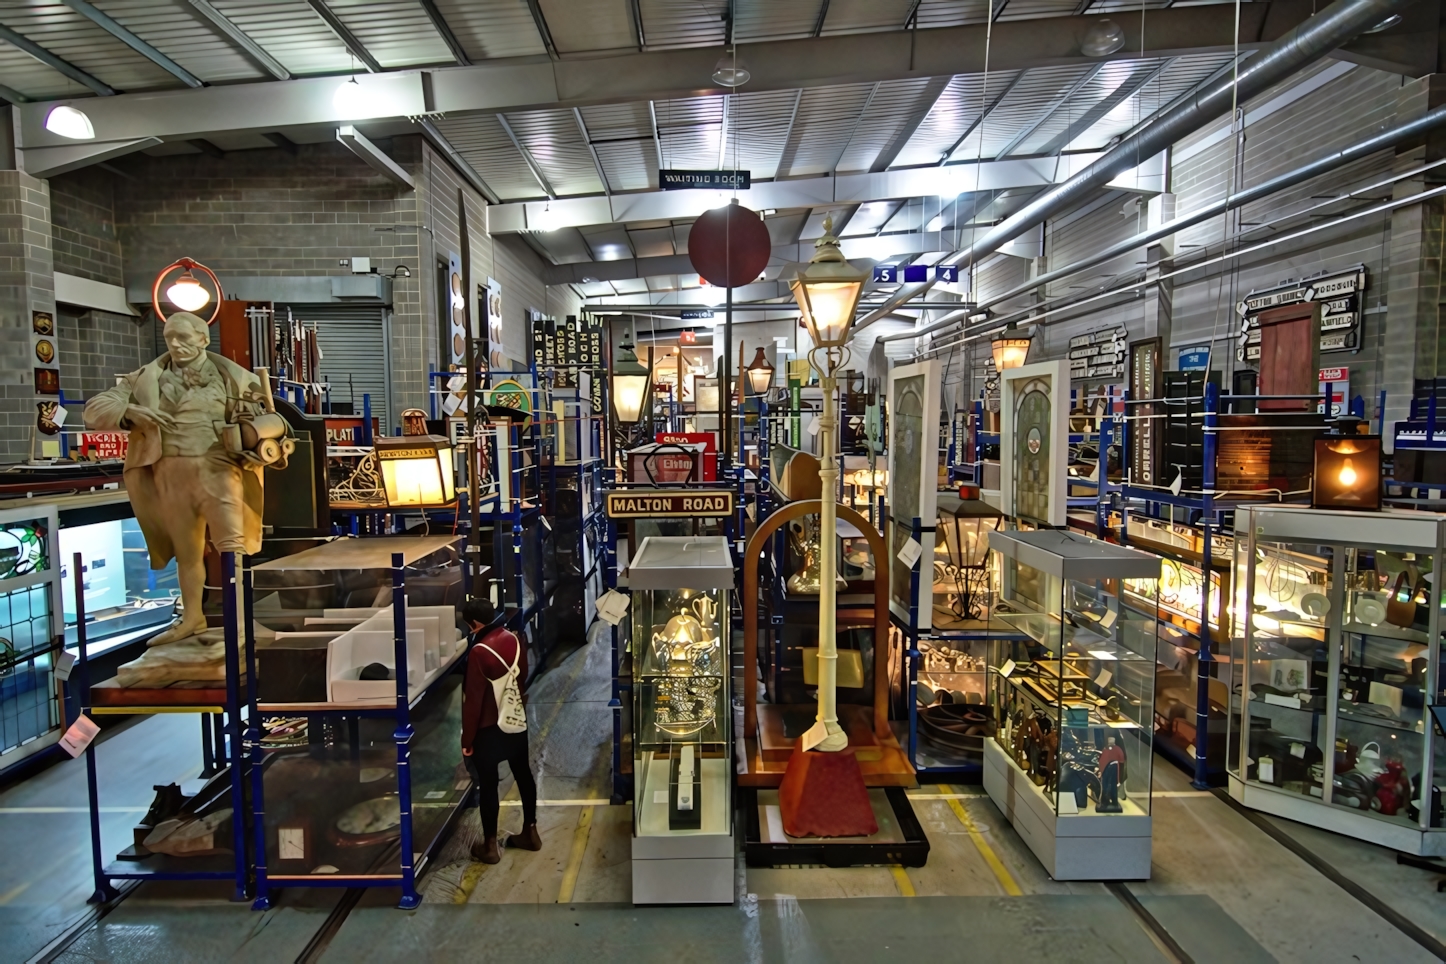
<point>95,346</point>
<point>82,209</point>
<point>27,284</point>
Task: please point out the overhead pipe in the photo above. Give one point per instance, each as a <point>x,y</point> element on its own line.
<point>1378,142</point>
<point>1301,46</point>
<point>1304,44</point>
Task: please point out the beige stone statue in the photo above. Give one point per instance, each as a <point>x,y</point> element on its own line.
<point>182,477</point>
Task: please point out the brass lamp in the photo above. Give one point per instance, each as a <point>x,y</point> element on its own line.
<point>827,291</point>
<point>1009,348</point>
<point>1347,469</point>
<point>760,373</point>
<point>417,470</point>
<point>630,385</point>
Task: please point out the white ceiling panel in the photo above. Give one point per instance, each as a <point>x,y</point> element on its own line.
<point>486,146</point>
<point>589,25</point>
<point>954,13</point>
<point>887,114</point>
<point>826,120</point>
<point>622,135</point>
<point>1023,105</point>
<point>683,23</point>
<point>652,242</point>
<point>757,126</point>
<point>1112,77</point>
<point>31,78</point>
<point>1183,74</point>
<point>775,20</point>
<point>564,246</point>
<point>1034,9</point>
<point>866,16</point>
<point>493,28</point>
<point>68,35</point>
<point>956,110</point>
<point>555,143</point>
<point>175,29</point>
<point>870,218</point>
<point>689,129</point>
<point>609,242</point>
<point>398,33</point>
<point>290,31</point>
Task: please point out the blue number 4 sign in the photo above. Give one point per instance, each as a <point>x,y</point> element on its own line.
<point>946,273</point>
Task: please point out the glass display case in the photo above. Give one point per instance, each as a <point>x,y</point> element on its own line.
<point>1071,677</point>
<point>682,590</point>
<point>1337,650</point>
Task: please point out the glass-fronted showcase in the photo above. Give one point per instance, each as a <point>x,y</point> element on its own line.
<point>1072,678</point>
<point>682,591</point>
<point>1337,652</point>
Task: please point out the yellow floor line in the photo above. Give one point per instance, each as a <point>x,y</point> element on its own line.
<point>901,879</point>
<point>13,893</point>
<point>1006,880</point>
<point>574,858</point>
<point>469,880</point>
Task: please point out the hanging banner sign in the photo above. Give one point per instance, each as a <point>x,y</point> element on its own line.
<point>694,180</point>
<point>665,504</point>
<point>697,314</point>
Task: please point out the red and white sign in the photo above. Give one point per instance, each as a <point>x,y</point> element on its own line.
<point>1339,379</point>
<point>688,337</point>
<point>709,441</point>
<point>104,445</point>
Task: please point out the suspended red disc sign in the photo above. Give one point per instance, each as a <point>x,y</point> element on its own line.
<point>729,246</point>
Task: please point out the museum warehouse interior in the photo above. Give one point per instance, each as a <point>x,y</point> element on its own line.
<point>722,480</point>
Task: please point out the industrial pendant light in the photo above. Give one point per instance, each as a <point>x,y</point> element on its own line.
<point>187,294</point>
<point>730,71</point>
<point>630,385</point>
<point>760,373</point>
<point>1009,348</point>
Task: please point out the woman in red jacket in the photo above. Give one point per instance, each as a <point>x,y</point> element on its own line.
<point>484,745</point>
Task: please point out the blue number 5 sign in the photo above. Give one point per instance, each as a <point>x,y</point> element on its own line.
<point>886,274</point>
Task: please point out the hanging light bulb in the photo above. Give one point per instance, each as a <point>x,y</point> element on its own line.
<point>69,122</point>
<point>1347,475</point>
<point>349,100</point>
<point>187,294</point>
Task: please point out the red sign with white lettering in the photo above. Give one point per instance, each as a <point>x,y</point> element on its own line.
<point>708,440</point>
<point>104,445</point>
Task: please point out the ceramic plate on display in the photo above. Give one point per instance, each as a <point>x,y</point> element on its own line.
<point>1370,609</point>
<point>1315,605</point>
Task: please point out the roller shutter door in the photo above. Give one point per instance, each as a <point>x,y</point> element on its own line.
<point>355,352</point>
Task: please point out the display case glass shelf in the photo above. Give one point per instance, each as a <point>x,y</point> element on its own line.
<point>1070,760</point>
<point>682,720</point>
<point>1335,614</point>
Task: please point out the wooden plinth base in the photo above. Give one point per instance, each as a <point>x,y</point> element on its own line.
<point>823,795</point>
<point>780,726</point>
<point>888,767</point>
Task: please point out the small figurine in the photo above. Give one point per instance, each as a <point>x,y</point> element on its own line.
<point>1112,777</point>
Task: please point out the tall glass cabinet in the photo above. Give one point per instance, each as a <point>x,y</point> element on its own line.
<point>1335,665</point>
<point>682,591</point>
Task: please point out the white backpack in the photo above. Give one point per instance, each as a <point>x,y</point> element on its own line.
<point>511,714</point>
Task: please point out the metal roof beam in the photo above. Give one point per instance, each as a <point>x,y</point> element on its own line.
<point>373,156</point>
<point>602,175</point>
<point>922,109</point>
<point>444,30</point>
<point>532,164</point>
<point>534,84</point>
<point>813,192</point>
<point>822,16</point>
<point>55,63</point>
<point>240,38</point>
<point>13,96</point>
<point>110,26</point>
<point>543,32</point>
<point>343,33</point>
<point>463,166</point>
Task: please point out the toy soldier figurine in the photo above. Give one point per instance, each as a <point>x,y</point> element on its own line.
<point>186,470</point>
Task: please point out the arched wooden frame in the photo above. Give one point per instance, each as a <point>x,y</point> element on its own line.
<point>750,610</point>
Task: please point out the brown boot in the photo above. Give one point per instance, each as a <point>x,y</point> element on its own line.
<point>487,851</point>
<point>528,839</point>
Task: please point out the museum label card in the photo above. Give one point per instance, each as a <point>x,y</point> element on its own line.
<point>64,663</point>
<point>813,736</point>
<point>612,606</point>
<point>1007,668</point>
<point>78,737</point>
<point>910,552</point>
<point>1103,679</point>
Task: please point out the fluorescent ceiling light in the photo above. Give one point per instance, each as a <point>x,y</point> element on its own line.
<point>69,122</point>
<point>349,100</point>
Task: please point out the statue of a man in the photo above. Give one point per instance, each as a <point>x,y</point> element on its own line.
<point>180,477</point>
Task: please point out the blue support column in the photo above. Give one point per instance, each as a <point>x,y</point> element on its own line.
<point>403,734</point>
<point>1205,658</point>
<point>232,619</point>
<point>253,743</point>
<point>103,892</point>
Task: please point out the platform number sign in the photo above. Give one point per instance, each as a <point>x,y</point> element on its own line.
<point>886,274</point>
<point>946,273</point>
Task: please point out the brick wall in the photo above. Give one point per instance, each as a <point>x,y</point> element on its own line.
<point>95,346</point>
<point>26,284</point>
<point>83,230</point>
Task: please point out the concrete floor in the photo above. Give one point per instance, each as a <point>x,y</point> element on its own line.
<point>1222,888</point>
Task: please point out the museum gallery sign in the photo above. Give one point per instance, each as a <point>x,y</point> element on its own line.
<point>1340,308</point>
<point>664,504</point>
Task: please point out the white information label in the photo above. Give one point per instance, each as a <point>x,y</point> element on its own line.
<point>910,552</point>
<point>78,737</point>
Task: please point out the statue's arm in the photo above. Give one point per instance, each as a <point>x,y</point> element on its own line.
<point>107,410</point>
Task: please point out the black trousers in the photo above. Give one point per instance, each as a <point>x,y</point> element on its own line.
<point>490,748</point>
